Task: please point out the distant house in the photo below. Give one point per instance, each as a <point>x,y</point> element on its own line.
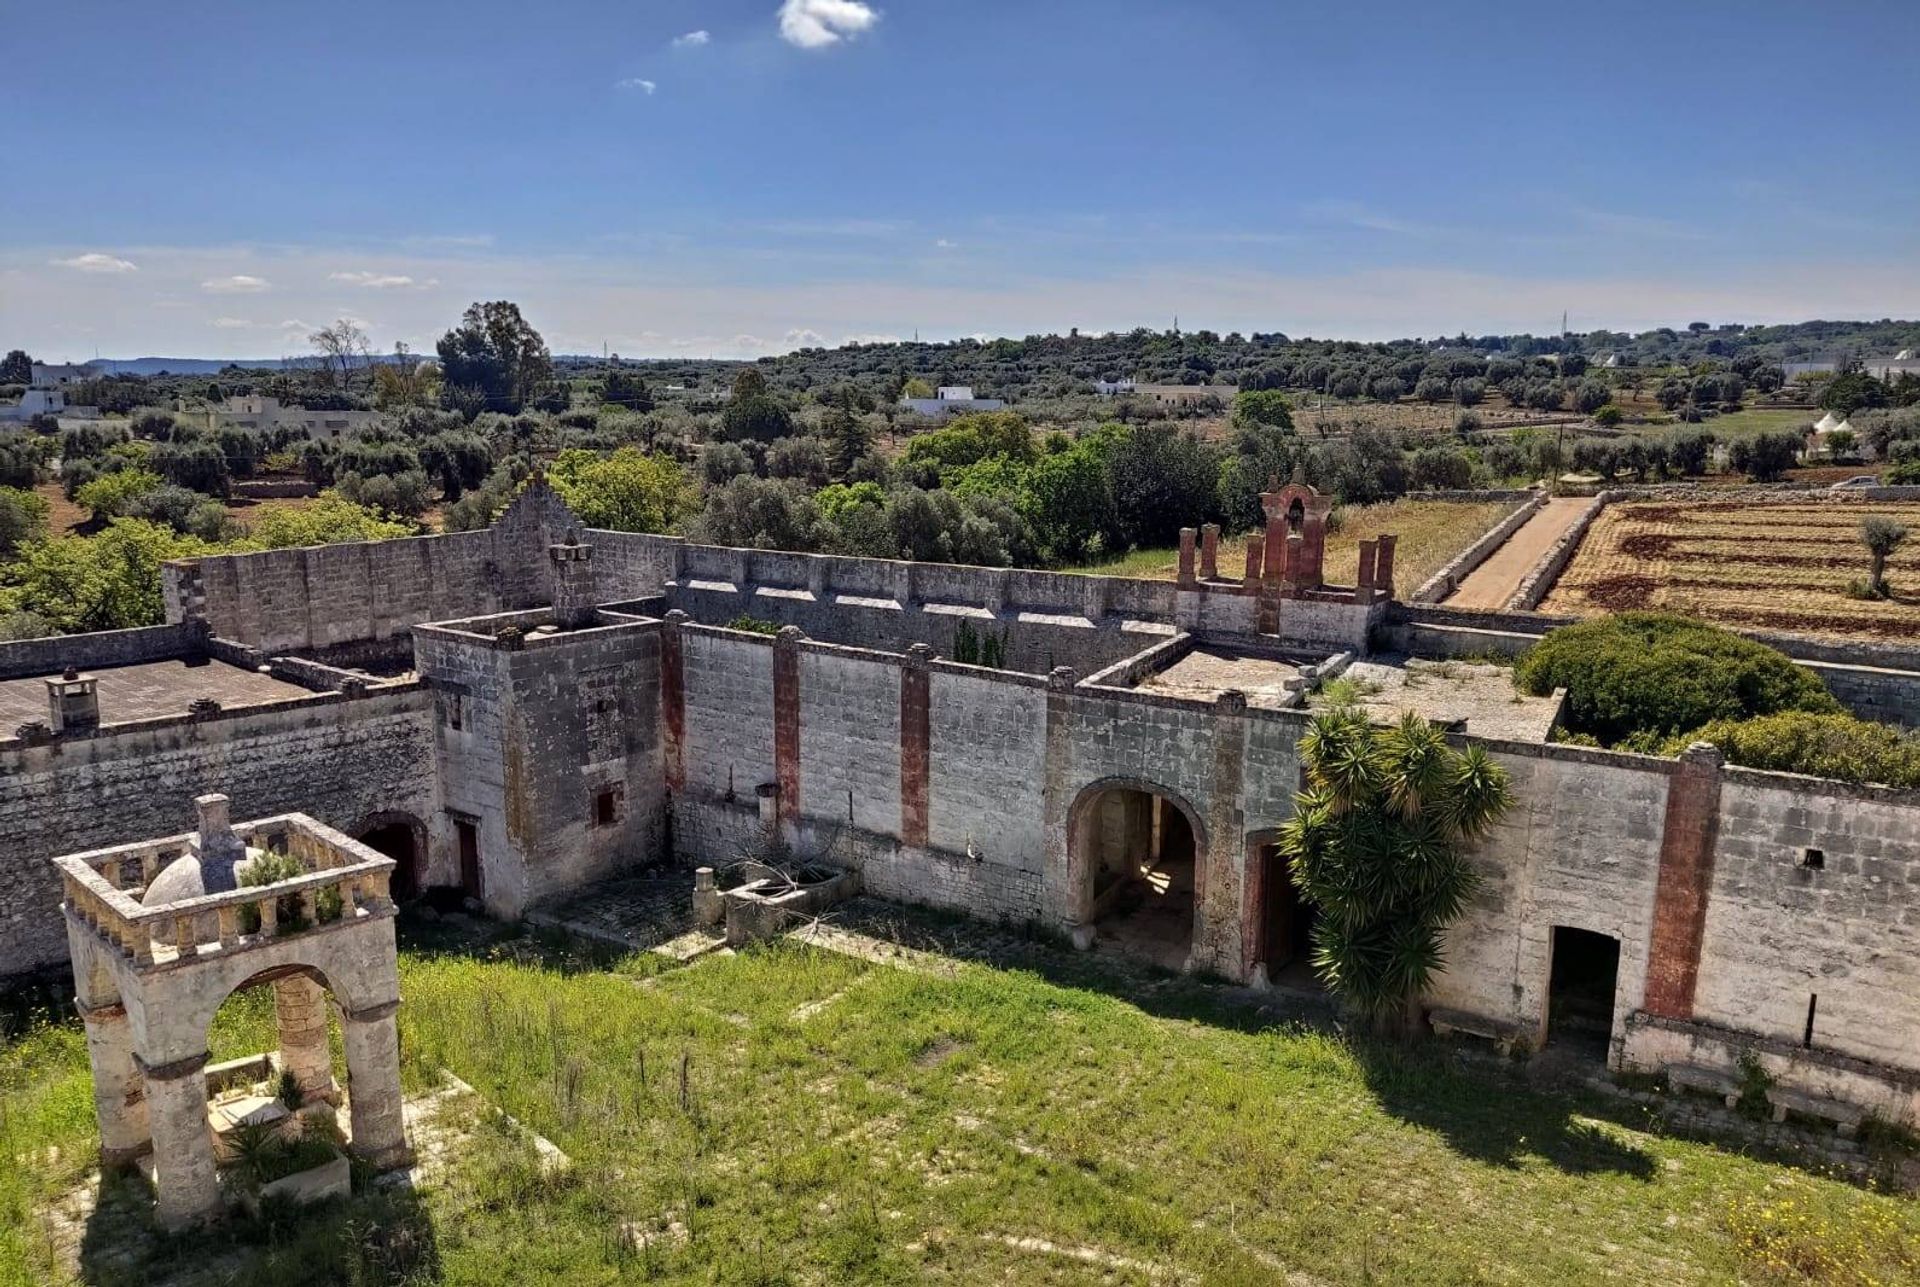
<point>262,413</point>
<point>1187,395</point>
<point>46,395</point>
<point>1113,388</point>
<point>951,400</point>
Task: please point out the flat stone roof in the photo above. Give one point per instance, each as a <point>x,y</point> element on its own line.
<point>1442,692</point>
<point>147,691</point>
<point>1209,670</point>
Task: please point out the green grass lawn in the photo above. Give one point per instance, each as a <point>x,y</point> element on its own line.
<point>841,1122</point>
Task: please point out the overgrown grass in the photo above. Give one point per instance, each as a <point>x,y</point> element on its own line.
<point>793,1115</point>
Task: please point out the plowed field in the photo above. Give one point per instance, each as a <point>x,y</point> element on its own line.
<point>1753,565</point>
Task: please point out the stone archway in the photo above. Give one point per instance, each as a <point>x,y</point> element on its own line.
<point>1137,854</point>
<point>402,837</point>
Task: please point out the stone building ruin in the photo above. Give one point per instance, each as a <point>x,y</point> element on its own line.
<point>162,932</point>
<point>518,711</point>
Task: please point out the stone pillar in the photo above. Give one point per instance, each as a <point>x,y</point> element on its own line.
<point>673,699</point>
<point>300,1005</point>
<point>1383,569</point>
<point>1063,888</point>
<point>574,592</point>
<point>1217,883</point>
<point>186,1184</point>
<point>903,584</point>
<point>1186,579</point>
<point>786,722</point>
<point>1363,580</point>
<point>1309,568</point>
<point>1275,567</point>
<point>817,578</point>
<point>916,691</point>
<point>1209,551</point>
<point>73,702</point>
<point>1256,555</point>
<point>1685,880</point>
<point>119,1091</point>
<point>373,1086</point>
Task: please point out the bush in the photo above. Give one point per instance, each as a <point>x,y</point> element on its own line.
<point>1820,745</point>
<point>113,495</point>
<point>23,517</point>
<point>1645,677</point>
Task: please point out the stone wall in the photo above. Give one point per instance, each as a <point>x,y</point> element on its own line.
<point>325,596</point>
<point>1448,578</point>
<point>1535,585</point>
<point>339,759</point>
<point>22,658</point>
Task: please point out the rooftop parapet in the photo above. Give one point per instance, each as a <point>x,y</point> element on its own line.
<point>105,888</point>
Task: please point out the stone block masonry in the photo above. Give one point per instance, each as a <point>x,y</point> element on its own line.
<point>340,759</point>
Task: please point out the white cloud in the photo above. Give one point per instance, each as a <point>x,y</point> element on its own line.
<point>804,338</point>
<point>634,82</point>
<point>381,281</point>
<point>815,24</point>
<point>232,323</point>
<point>95,262</point>
<point>869,339</point>
<point>692,40</point>
<point>944,244</point>
<point>237,284</point>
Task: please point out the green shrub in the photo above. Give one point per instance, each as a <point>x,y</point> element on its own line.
<point>1644,677</point>
<point>1820,745</point>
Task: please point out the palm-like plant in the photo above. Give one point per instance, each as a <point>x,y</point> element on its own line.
<point>1375,844</point>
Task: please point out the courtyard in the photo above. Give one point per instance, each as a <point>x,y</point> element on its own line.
<point>908,1098</point>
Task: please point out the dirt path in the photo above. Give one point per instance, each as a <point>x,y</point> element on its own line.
<point>1490,585</point>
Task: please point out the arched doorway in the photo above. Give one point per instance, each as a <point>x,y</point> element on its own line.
<point>1140,857</point>
<point>403,838</point>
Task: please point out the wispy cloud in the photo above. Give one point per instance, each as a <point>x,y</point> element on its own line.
<point>1354,215</point>
<point>95,262</point>
<point>692,40</point>
<point>635,82</point>
<point>944,244</point>
<point>815,24</point>
<point>1620,224</point>
<point>232,323</point>
<point>382,281</point>
<point>237,284</point>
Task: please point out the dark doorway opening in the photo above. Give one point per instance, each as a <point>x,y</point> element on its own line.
<point>467,836</point>
<point>400,841</point>
<point>1287,924</point>
<point>1580,991</point>
<point>1143,860</point>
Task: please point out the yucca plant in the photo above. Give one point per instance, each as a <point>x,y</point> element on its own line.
<point>1375,845</point>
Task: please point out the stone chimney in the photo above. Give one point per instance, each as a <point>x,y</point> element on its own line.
<point>574,592</point>
<point>220,850</point>
<point>73,702</point>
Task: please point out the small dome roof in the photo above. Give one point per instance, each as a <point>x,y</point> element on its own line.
<point>187,877</point>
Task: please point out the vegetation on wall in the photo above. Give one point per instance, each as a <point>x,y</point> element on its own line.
<point>1821,745</point>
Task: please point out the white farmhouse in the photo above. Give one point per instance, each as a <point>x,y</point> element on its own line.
<point>951,400</point>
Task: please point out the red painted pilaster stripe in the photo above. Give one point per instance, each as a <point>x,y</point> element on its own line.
<point>673,700</point>
<point>786,721</point>
<point>915,738</point>
<point>1684,884</point>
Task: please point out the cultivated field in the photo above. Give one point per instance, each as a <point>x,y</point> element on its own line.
<point>791,1115</point>
<point>1430,532</point>
<point>1744,563</point>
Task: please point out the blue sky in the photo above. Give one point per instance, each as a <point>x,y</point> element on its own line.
<point>734,177</point>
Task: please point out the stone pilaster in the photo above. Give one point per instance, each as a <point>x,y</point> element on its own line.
<point>673,699</point>
<point>1685,879</point>
<point>1218,874</point>
<point>786,722</point>
<point>916,692</point>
